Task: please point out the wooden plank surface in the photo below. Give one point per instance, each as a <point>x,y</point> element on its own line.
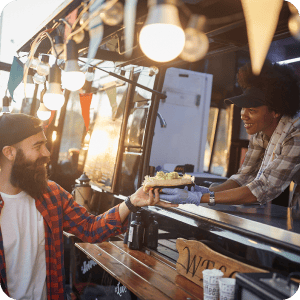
<point>145,275</point>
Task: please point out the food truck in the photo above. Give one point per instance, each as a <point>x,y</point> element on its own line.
<point>139,113</point>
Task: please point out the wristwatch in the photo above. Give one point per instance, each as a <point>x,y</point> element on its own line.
<point>130,206</point>
<point>212,201</point>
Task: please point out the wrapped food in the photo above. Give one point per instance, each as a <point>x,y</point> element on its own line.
<point>172,179</point>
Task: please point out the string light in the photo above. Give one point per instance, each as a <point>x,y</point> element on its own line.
<point>43,67</point>
<point>73,79</point>
<point>54,98</point>
<point>58,47</point>
<point>162,38</point>
<point>6,107</point>
<point>196,42</point>
<point>114,15</point>
<point>43,112</point>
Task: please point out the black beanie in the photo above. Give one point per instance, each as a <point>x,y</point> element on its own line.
<point>15,128</point>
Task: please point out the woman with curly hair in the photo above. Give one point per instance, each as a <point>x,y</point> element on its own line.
<point>270,106</point>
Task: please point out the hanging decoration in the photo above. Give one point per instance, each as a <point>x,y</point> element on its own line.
<point>96,30</point>
<point>85,103</point>
<point>129,24</point>
<point>15,76</point>
<point>261,27</point>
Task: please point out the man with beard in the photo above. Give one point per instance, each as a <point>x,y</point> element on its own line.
<point>34,212</point>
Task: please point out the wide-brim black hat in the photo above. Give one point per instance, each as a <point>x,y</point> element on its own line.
<point>251,97</point>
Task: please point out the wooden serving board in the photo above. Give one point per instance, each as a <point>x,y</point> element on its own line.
<point>194,257</point>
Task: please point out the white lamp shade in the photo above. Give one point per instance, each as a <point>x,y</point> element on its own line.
<point>261,20</point>
<point>43,113</point>
<point>196,45</point>
<point>72,78</point>
<point>54,98</point>
<point>162,38</point>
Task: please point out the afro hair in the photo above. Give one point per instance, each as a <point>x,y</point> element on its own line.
<point>278,82</point>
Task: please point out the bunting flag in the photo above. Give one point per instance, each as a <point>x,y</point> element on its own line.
<point>71,18</point>
<point>96,30</point>
<point>50,119</point>
<point>261,27</point>
<point>111,91</point>
<point>129,24</point>
<point>85,103</point>
<point>15,76</point>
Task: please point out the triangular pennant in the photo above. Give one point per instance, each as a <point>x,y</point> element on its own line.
<point>15,76</point>
<point>96,30</point>
<point>261,20</point>
<point>129,24</point>
<point>85,103</point>
<point>50,119</point>
<point>111,91</point>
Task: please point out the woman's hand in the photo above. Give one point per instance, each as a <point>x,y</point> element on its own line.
<point>140,198</point>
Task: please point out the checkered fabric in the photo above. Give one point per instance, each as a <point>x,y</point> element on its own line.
<point>279,172</point>
<point>62,213</point>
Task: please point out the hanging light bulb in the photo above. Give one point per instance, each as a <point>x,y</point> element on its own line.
<point>35,61</point>
<point>73,79</point>
<point>6,107</point>
<point>85,16</point>
<point>114,15</point>
<point>153,70</point>
<point>43,112</point>
<point>38,79</point>
<point>30,85</point>
<point>294,22</point>
<point>43,67</point>
<point>79,36</point>
<point>89,77</point>
<point>54,98</point>
<point>59,47</point>
<point>162,38</point>
<point>196,42</point>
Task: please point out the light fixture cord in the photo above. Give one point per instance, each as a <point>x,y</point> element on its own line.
<point>103,7</point>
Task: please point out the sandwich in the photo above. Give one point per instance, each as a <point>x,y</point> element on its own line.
<point>164,180</point>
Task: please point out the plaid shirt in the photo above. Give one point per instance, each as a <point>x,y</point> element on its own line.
<point>62,213</point>
<point>278,174</point>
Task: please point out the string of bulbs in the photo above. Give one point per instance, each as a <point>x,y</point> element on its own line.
<point>162,27</point>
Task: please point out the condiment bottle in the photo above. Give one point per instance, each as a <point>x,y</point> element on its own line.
<point>136,232</point>
<point>151,233</point>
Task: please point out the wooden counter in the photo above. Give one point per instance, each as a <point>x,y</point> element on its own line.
<point>148,276</point>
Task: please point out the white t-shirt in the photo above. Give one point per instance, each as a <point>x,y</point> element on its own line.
<point>23,232</point>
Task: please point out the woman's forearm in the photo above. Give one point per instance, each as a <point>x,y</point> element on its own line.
<point>234,196</point>
<point>227,185</point>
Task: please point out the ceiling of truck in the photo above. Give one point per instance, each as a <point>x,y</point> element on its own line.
<point>225,27</point>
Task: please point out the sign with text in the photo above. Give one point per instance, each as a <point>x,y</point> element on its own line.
<point>194,257</point>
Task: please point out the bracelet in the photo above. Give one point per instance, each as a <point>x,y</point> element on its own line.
<point>130,206</point>
<point>211,201</point>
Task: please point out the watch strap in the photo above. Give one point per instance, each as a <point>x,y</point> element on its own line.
<point>130,206</point>
<point>211,201</point>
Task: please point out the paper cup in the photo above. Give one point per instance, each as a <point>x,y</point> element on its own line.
<point>211,283</point>
<point>226,288</point>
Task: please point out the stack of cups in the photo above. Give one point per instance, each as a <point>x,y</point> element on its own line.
<point>211,279</point>
<point>227,288</point>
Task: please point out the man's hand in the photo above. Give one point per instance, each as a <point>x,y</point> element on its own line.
<point>181,196</point>
<point>140,198</point>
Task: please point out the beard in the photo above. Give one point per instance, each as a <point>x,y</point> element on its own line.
<point>30,176</point>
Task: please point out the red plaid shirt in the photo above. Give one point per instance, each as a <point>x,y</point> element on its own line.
<point>62,213</point>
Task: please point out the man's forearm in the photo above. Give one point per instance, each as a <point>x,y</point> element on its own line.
<point>123,211</point>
